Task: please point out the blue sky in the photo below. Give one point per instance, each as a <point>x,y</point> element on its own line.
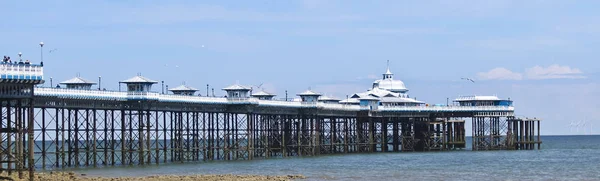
<point>541,54</point>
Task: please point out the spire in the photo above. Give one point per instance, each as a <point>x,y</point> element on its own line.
<point>388,74</point>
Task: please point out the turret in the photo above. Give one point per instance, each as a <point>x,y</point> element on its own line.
<point>237,91</point>
<point>309,96</point>
<point>329,100</point>
<point>262,95</point>
<point>183,90</point>
<point>78,83</point>
<point>139,84</point>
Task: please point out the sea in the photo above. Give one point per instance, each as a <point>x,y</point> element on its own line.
<point>560,158</point>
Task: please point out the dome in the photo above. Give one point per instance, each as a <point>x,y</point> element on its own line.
<point>391,85</point>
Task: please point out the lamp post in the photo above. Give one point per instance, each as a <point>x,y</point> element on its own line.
<point>50,81</point>
<point>167,88</point>
<point>286,98</point>
<point>162,83</point>
<point>99,82</point>
<point>20,60</point>
<point>213,92</point>
<point>42,53</point>
<point>207,90</point>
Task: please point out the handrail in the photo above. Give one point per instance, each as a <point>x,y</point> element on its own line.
<point>142,95</point>
<point>190,99</point>
<point>122,96</point>
<point>279,103</point>
<point>447,108</point>
<point>78,93</point>
<point>346,107</point>
<point>7,69</point>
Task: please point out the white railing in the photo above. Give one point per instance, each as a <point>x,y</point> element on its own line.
<point>477,98</point>
<point>279,103</point>
<point>242,100</point>
<point>120,96</point>
<point>344,107</point>
<point>142,95</point>
<point>447,108</point>
<point>27,70</point>
<point>80,94</point>
<point>190,99</point>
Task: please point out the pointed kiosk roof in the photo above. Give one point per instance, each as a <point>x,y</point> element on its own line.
<point>388,72</point>
<point>183,88</point>
<point>77,80</point>
<point>139,79</point>
<point>350,101</point>
<point>262,93</point>
<point>309,93</point>
<point>369,98</point>
<point>236,87</point>
<point>327,98</point>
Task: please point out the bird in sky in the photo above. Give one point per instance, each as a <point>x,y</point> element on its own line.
<point>468,79</point>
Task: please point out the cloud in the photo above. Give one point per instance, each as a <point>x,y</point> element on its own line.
<point>534,73</point>
<point>499,73</point>
<point>553,72</point>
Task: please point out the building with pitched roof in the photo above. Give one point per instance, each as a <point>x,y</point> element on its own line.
<point>237,91</point>
<point>263,95</point>
<point>78,83</point>
<point>183,90</point>
<point>139,84</point>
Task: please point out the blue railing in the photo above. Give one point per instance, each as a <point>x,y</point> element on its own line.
<point>21,71</point>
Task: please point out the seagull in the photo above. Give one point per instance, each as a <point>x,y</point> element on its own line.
<point>468,79</point>
<point>53,50</point>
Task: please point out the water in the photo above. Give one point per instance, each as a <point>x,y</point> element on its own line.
<point>561,158</point>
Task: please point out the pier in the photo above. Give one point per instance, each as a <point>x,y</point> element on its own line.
<point>77,126</point>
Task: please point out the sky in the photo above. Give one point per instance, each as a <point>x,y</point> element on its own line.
<point>540,54</point>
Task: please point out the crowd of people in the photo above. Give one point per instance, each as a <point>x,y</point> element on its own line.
<point>7,59</point>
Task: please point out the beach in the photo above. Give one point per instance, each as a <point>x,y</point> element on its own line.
<point>42,176</point>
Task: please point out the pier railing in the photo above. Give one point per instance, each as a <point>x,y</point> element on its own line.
<point>21,71</point>
<point>122,96</point>
<point>191,99</point>
<point>343,107</point>
<point>80,94</point>
<point>135,95</point>
<point>279,103</point>
<point>447,108</point>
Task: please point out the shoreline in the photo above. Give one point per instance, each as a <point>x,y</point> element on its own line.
<point>54,175</point>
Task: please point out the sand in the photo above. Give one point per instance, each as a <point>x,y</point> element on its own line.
<point>73,176</point>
